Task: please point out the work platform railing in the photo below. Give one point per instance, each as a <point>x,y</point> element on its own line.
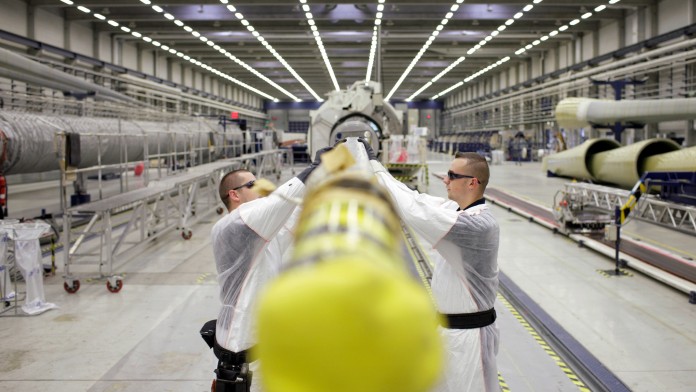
<point>176,202</point>
<point>675,216</point>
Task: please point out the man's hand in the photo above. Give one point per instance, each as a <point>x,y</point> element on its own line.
<point>317,156</point>
<point>368,148</point>
<point>317,161</point>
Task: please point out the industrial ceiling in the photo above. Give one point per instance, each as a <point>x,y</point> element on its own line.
<point>281,49</point>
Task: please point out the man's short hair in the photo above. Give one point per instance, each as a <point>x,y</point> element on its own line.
<point>229,182</point>
<point>478,165</point>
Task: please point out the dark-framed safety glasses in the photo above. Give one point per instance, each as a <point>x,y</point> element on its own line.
<point>454,176</point>
<point>247,185</point>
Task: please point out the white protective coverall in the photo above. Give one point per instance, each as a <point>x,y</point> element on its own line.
<point>249,245</point>
<point>465,278</point>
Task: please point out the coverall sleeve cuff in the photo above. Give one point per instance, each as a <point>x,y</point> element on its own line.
<point>377,166</point>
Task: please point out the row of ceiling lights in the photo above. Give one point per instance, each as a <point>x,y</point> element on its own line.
<point>375,34</point>
<point>425,47</point>
<point>320,44</point>
<point>171,50</point>
<point>268,46</point>
<point>315,31</point>
<point>573,22</point>
<point>224,52</point>
<point>541,39</point>
<point>473,50</point>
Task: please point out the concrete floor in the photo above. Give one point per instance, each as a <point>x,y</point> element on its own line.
<point>146,337</point>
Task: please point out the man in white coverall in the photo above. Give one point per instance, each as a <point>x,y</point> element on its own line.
<point>248,244</point>
<point>465,279</point>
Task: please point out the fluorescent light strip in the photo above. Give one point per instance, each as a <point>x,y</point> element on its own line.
<point>246,66</point>
<point>521,50</point>
<point>179,54</point>
<point>436,78</point>
<point>268,46</point>
<point>472,77</point>
<point>573,22</point>
<point>471,51</point>
<point>425,47</point>
<point>373,47</point>
<point>502,27</point>
<point>320,44</point>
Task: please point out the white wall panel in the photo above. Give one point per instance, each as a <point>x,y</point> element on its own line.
<point>536,66</point>
<point>161,71</point>
<point>187,76</point>
<point>563,60</point>
<point>632,29</point>
<point>197,80</point>
<point>550,59</point>
<point>587,47</point>
<point>513,76</point>
<point>81,39</point>
<point>13,16</point>
<point>671,15</point>
<point>48,27</point>
<point>129,58</point>
<point>148,62</point>
<point>104,47</point>
<point>176,72</point>
<point>608,37</point>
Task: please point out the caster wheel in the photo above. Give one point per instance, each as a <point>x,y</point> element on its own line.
<point>114,289</point>
<point>220,210</point>
<point>186,235</point>
<point>72,289</point>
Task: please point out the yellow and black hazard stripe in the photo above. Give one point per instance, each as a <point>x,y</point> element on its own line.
<point>608,274</point>
<point>408,165</point>
<point>408,237</point>
<point>503,385</point>
<point>421,166</point>
<point>559,362</point>
<point>201,278</point>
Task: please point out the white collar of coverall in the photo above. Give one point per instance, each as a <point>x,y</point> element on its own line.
<point>476,208</point>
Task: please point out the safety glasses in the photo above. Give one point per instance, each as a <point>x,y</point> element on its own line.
<point>247,185</point>
<point>454,176</point>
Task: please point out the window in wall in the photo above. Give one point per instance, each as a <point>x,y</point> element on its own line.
<point>298,126</point>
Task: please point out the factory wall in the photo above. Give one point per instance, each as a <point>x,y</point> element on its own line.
<point>672,14</point>
<point>639,24</point>
<point>48,25</point>
<point>13,16</point>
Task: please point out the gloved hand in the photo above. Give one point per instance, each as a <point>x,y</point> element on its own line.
<point>368,148</point>
<point>317,161</point>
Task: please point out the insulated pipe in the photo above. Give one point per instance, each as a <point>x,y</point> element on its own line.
<point>577,162</point>
<point>624,166</point>
<point>581,112</point>
<point>29,144</point>
<point>52,84</point>
<point>19,63</point>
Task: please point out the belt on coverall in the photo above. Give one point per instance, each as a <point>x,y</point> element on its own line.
<point>229,357</point>
<point>232,372</point>
<point>470,320</point>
